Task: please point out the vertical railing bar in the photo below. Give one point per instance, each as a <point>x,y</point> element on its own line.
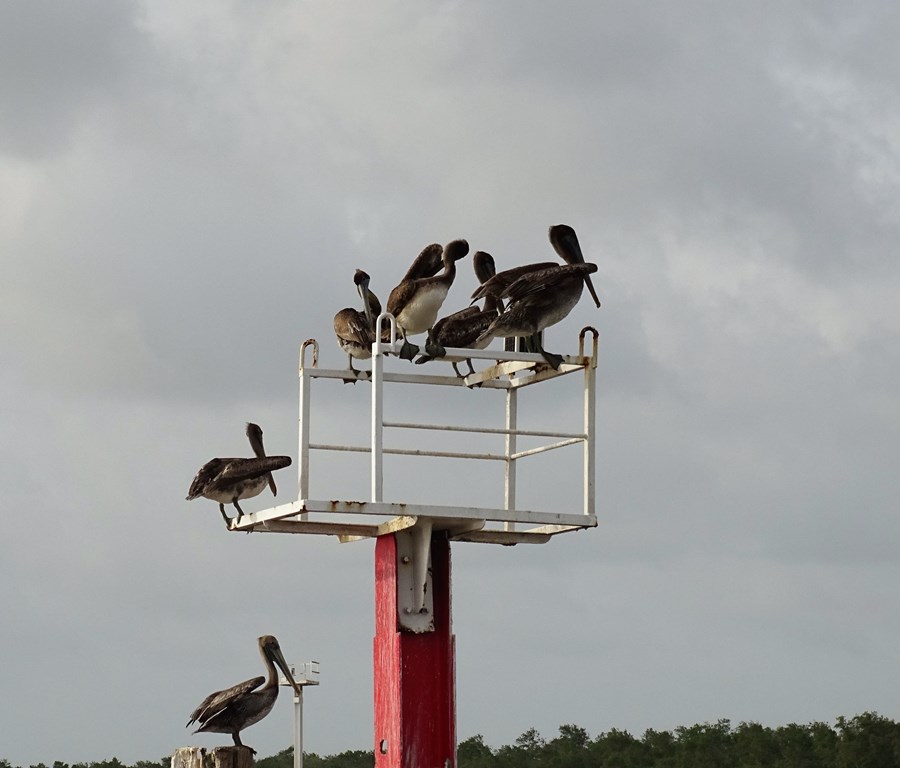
<point>378,404</point>
<point>590,395</point>
<point>305,395</point>
<point>509,486</point>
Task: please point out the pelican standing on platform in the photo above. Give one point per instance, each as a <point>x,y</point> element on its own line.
<point>239,707</point>
<point>415,302</point>
<point>355,330</point>
<point>463,328</point>
<point>227,480</point>
<point>542,297</point>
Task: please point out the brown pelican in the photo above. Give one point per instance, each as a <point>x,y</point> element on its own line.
<point>415,302</point>
<point>462,329</point>
<point>541,298</point>
<point>238,707</point>
<point>227,480</point>
<point>564,242</point>
<point>355,330</point>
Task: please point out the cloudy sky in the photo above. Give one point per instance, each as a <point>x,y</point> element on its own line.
<point>186,189</point>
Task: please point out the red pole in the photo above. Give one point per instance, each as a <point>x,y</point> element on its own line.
<point>415,694</point>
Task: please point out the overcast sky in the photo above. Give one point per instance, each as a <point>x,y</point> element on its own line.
<point>185,191</point>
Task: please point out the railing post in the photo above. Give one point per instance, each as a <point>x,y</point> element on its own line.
<point>509,478</point>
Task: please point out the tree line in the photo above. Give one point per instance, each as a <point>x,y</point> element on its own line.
<point>864,741</point>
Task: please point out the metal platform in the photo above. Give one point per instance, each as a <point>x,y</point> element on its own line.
<point>351,520</point>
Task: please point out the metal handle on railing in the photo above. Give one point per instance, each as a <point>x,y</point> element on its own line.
<point>315,353</point>
<point>380,330</point>
<point>596,334</point>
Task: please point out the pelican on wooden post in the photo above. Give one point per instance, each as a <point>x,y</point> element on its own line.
<point>233,709</point>
<point>227,480</point>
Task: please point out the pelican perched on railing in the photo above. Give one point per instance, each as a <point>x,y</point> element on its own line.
<point>415,302</point>
<point>463,328</point>
<point>542,297</point>
<point>227,480</point>
<point>238,707</point>
<point>355,330</point>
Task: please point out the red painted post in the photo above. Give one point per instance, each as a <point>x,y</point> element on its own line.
<point>415,688</point>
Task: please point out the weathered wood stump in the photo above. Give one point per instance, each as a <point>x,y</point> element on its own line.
<point>218,757</point>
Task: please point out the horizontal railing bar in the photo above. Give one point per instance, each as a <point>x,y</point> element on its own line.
<point>347,448</point>
<point>485,430</point>
<point>445,454</point>
<point>409,452</point>
<point>544,448</point>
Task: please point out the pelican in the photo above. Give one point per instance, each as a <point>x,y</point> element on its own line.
<point>355,330</point>
<point>463,328</point>
<point>227,480</point>
<point>564,242</point>
<point>239,707</point>
<point>542,297</point>
<point>415,302</point>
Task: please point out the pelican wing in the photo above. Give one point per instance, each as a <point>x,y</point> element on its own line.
<point>401,294</point>
<point>353,327</point>
<point>497,284</point>
<point>462,316</point>
<point>207,473</point>
<point>242,469</point>
<point>427,264</point>
<point>462,328</point>
<point>539,281</point>
<point>216,702</point>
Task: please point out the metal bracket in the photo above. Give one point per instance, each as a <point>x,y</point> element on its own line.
<point>415,606</point>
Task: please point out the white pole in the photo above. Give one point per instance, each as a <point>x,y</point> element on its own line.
<point>298,729</point>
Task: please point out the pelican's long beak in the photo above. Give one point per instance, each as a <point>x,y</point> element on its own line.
<point>590,285</point>
<point>278,658</point>
<point>363,289</point>
<point>566,244</point>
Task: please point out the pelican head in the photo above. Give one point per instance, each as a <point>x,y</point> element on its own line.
<point>269,648</point>
<point>483,264</point>
<point>362,285</point>
<point>565,243</point>
<point>254,435</point>
<point>455,250</point>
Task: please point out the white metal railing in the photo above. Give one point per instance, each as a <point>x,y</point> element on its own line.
<point>510,371</point>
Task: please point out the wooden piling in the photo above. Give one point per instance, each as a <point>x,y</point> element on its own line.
<point>218,757</point>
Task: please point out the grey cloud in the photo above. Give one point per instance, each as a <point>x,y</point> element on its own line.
<point>58,61</point>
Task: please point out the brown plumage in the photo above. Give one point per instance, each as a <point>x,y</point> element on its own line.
<point>233,709</point>
<point>427,264</point>
<point>542,297</point>
<point>463,328</point>
<point>355,330</point>
<point>564,242</point>
<point>415,302</point>
<point>227,480</point>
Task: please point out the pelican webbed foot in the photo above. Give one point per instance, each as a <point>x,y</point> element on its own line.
<point>408,351</point>
<point>433,349</point>
<point>225,516</point>
<point>534,344</point>
<point>552,359</point>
